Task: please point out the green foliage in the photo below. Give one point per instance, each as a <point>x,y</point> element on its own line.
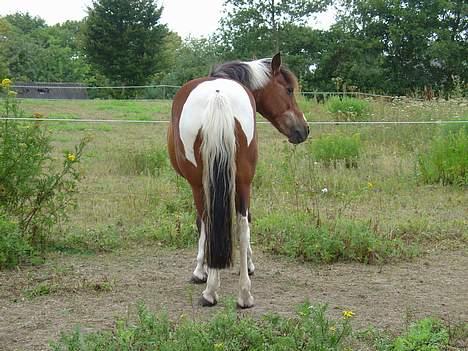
<point>309,330</point>
<point>299,235</point>
<point>33,190</point>
<point>127,34</point>
<point>13,248</point>
<point>426,335</point>
<point>332,148</point>
<point>446,161</point>
<point>347,108</point>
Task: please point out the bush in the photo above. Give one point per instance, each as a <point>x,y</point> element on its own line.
<point>347,108</point>
<point>446,161</point>
<point>332,148</point>
<point>308,330</point>
<point>298,235</point>
<point>34,190</point>
<point>13,248</point>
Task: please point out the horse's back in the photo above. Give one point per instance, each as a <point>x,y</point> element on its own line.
<point>189,113</point>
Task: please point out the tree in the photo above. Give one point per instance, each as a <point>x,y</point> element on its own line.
<point>124,40</point>
<point>258,28</point>
<point>415,43</point>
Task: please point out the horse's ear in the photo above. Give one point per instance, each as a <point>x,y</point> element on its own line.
<point>276,64</point>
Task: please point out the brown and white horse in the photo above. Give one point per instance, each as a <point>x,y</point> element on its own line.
<point>212,141</point>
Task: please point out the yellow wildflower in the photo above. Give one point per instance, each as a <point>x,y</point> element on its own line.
<point>6,83</point>
<point>348,314</point>
<point>71,157</point>
<point>12,93</point>
<point>370,185</point>
<point>38,115</point>
<point>219,346</point>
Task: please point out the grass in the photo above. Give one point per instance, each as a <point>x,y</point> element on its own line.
<point>131,196</point>
<point>309,329</point>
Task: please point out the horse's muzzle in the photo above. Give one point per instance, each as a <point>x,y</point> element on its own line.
<point>299,135</point>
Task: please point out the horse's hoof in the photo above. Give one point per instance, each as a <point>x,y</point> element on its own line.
<point>197,280</point>
<point>247,301</point>
<point>244,306</point>
<point>205,303</point>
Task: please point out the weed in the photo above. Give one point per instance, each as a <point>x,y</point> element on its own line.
<point>446,161</point>
<point>309,330</point>
<point>332,148</point>
<point>347,108</point>
<point>298,235</point>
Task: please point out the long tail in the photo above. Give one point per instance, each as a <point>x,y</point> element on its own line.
<point>219,173</point>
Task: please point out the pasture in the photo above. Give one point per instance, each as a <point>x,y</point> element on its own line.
<point>362,231</point>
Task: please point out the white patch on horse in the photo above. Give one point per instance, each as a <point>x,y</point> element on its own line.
<point>194,111</point>
<point>245,298</point>
<point>260,73</point>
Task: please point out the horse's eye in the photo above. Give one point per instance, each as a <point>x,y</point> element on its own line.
<point>290,91</point>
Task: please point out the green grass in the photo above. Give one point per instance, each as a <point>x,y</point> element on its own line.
<point>446,160</point>
<point>301,235</point>
<point>130,194</point>
<point>310,329</point>
<point>347,108</point>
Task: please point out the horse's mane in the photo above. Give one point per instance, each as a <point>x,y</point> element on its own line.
<point>253,74</point>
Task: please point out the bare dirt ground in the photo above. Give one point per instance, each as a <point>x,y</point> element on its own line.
<point>92,291</point>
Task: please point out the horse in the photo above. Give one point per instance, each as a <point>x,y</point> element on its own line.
<point>212,143</point>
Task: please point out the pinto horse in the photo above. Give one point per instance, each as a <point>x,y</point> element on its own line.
<point>212,141</point>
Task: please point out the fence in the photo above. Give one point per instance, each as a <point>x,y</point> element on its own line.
<point>53,91</point>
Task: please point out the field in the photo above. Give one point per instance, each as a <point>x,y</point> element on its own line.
<point>363,231</point>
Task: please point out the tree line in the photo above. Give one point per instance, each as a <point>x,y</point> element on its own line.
<point>381,46</point>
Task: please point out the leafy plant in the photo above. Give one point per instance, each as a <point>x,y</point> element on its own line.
<point>347,108</point>
<point>310,329</point>
<point>33,189</point>
<point>298,235</point>
<point>446,161</point>
<point>332,148</point>
<point>13,248</point>
<point>426,335</point>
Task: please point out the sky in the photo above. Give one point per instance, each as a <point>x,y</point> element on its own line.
<point>207,13</point>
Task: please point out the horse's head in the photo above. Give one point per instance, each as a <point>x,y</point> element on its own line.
<point>277,103</point>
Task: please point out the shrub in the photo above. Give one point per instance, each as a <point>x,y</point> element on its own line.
<point>13,248</point>
<point>446,160</point>
<point>347,108</point>
<point>33,189</point>
<point>332,148</point>
<point>298,235</point>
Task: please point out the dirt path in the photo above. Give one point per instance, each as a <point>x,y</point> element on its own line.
<point>91,291</point>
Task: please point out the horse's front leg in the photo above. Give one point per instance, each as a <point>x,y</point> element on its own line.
<point>245,299</point>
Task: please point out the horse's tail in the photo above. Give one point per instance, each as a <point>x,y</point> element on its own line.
<point>218,151</point>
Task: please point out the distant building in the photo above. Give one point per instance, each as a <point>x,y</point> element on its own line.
<point>51,90</point>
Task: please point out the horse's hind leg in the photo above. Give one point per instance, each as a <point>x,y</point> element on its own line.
<point>245,299</point>
<point>210,295</point>
<point>199,275</point>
